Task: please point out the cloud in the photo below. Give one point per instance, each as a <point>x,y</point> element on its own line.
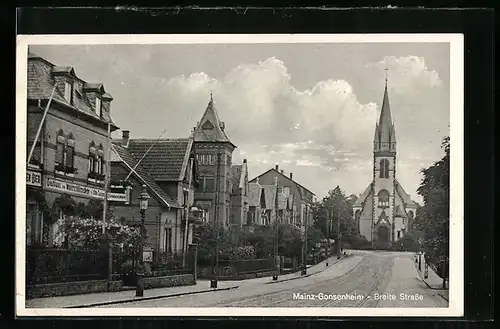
<point>323,134</point>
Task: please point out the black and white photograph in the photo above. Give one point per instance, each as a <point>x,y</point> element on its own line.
<point>244,175</point>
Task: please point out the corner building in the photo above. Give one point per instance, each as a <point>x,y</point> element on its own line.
<point>213,194</point>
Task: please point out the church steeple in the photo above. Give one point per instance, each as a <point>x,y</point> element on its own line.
<point>385,134</point>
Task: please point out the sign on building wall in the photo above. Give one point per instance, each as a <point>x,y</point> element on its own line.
<point>33,178</point>
<point>81,190</point>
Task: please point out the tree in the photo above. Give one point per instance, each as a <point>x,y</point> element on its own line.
<point>336,207</point>
<point>433,217</point>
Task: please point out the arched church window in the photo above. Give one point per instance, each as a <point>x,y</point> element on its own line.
<point>383,199</point>
<point>384,168</point>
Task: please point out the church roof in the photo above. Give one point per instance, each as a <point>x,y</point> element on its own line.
<point>210,128</point>
<point>384,131</point>
<point>363,196</point>
<point>405,196</point>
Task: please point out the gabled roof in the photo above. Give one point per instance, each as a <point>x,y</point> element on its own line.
<point>254,191</point>
<point>405,196</point>
<point>210,128</point>
<point>236,173</point>
<point>269,194</point>
<point>41,82</point>
<point>130,162</point>
<point>398,212</point>
<point>359,202</point>
<point>291,180</point>
<point>168,158</point>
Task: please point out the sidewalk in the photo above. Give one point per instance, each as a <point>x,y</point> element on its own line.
<point>311,270</point>
<point>105,298</point>
<point>433,280</point>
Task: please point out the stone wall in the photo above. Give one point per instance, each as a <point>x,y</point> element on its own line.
<point>169,281</point>
<point>71,288</point>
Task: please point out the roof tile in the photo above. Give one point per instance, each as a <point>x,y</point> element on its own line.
<point>167,159</point>
<point>140,171</point>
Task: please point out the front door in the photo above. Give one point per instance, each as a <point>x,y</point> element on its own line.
<point>383,241</point>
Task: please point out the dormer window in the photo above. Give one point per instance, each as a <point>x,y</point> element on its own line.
<point>68,92</point>
<point>98,106</point>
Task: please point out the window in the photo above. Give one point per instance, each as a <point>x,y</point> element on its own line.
<point>186,198</point>
<point>384,168</point>
<point>60,153</point>
<point>168,240</point>
<point>228,160</point>
<point>403,220</point>
<point>209,185</point>
<point>68,92</point>
<point>399,234</point>
<point>70,156</point>
<point>98,106</point>
<point>383,199</point>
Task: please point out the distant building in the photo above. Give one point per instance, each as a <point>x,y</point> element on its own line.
<point>296,200</point>
<point>239,195</point>
<point>67,168</point>
<point>213,149</point>
<point>384,210</point>
<point>169,172</point>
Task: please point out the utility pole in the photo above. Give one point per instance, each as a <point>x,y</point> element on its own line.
<point>304,250</point>
<point>338,233</point>
<point>186,214</point>
<point>215,269</point>
<point>276,255</point>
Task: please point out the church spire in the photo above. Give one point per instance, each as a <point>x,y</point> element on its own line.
<point>385,136</point>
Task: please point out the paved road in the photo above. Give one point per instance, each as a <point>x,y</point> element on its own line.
<point>366,279</point>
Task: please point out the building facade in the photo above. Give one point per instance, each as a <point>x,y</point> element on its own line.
<point>214,153</point>
<point>169,172</point>
<point>296,200</point>
<point>384,210</point>
<point>239,194</point>
<point>67,167</point>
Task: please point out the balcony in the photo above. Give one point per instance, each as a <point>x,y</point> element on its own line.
<point>66,171</point>
<point>96,178</point>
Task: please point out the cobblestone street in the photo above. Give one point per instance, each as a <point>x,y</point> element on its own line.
<point>366,279</point>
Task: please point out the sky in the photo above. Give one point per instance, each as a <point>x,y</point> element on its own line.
<point>310,108</point>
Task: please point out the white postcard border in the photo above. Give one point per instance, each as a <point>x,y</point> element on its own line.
<point>456,281</point>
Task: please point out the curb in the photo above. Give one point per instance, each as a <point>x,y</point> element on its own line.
<point>140,299</point>
<point>442,296</point>
<point>307,275</point>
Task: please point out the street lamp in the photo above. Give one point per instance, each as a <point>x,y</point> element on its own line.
<point>143,203</point>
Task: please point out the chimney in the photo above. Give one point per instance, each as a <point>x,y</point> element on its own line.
<point>291,176</point>
<point>125,137</point>
<point>276,167</point>
<point>282,171</point>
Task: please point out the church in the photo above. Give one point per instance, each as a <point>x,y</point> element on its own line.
<point>384,211</point>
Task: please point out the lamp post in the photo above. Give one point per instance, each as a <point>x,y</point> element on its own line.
<point>143,202</point>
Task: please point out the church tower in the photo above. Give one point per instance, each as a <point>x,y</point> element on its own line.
<point>384,176</point>
<point>384,210</point>
<point>214,153</point>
